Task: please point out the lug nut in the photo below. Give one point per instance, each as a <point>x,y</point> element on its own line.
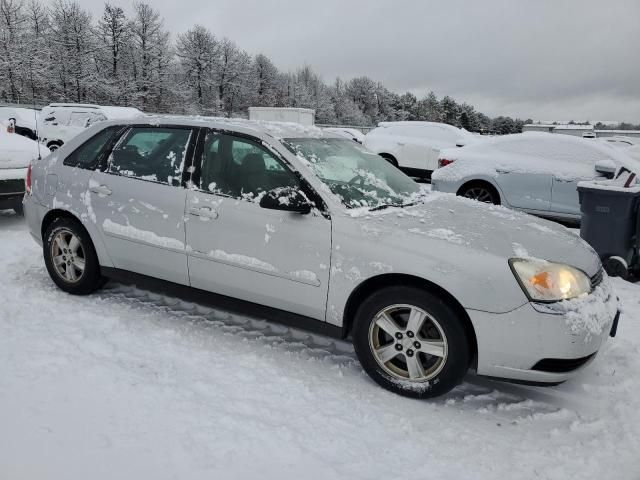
<point>398,346</point>
<point>398,335</point>
<point>410,353</point>
<point>410,334</point>
<point>417,345</point>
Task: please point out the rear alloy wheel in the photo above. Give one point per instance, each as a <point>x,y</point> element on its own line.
<point>480,193</point>
<point>411,342</point>
<point>70,257</point>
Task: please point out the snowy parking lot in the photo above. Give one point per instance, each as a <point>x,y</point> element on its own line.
<point>127,383</point>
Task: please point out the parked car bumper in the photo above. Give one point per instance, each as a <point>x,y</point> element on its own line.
<point>12,187</point>
<point>542,343</point>
<point>34,214</point>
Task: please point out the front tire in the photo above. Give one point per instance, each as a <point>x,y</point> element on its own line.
<point>411,342</point>
<point>70,257</point>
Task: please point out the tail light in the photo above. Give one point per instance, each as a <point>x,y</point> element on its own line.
<point>28,181</point>
<point>443,162</point>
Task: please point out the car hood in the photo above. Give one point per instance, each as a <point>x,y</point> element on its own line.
<point>488,229</point>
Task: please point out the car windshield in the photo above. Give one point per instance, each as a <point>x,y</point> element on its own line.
<point>358,177</point>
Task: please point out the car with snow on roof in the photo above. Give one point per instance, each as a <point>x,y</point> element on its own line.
<point>313,230</point>
<point>534,172</point>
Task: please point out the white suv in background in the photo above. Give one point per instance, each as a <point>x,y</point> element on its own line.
<point>414,147</point>
<point>63,121</point>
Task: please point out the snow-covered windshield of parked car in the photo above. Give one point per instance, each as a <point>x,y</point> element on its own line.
<point>358,177</point>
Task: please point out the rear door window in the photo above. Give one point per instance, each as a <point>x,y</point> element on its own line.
<point>152,154</point>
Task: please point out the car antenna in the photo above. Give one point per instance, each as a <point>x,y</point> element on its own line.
<point>35,117</point>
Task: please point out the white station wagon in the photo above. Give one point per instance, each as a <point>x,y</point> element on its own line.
<point>314,231</point>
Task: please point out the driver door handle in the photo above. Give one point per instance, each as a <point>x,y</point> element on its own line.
<point>100,189</point>
<point>205,212</point>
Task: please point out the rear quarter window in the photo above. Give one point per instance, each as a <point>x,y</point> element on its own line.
<point>87,154</point>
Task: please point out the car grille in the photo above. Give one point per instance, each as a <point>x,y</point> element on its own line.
<point>561,365</point>
<point>597,278</point>
<point>11,186</point>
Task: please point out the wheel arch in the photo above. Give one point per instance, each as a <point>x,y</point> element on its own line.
<point>389,157</point>
<point>373,284</point>
<point>486,182</point>
<point>51,215</point>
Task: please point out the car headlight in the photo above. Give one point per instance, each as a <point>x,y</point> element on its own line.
<point>544,281</point>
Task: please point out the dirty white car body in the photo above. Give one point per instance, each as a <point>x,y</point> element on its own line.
<point>415,146</point>
<point>317,268</point>
<point>534,172</point>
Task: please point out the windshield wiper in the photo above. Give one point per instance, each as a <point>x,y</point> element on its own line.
<point>387,205</point>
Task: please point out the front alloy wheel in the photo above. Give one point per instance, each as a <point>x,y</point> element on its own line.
<point>411,342</point>
<point>407,342</point>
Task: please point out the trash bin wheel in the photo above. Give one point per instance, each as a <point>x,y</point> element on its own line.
<point>616,267</point>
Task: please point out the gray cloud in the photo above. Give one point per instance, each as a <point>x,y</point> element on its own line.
<point>542,59</point>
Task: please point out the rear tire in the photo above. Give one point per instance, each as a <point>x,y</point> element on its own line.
<point>421,362</point>
<point>54,146</point>
<point>19,209</point>
<point>71,258</point>
<point>481,191</point>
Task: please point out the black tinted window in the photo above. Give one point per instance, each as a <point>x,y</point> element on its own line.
<point>153,154</point>
<point>86,155</point>
<point>240,167</point>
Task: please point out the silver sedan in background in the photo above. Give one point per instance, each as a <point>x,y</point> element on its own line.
<point>315,231</point>
<point>533,172</point>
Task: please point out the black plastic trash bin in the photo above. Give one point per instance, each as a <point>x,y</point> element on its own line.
<point>611,225</point>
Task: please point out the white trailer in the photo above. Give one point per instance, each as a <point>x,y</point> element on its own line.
<point>303,116</point>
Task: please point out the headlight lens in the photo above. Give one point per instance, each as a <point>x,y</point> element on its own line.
<point>545,281</point>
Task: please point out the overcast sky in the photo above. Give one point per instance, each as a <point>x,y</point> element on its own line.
<point>543,59</point>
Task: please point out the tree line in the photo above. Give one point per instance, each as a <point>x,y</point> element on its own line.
<point>56,52</point>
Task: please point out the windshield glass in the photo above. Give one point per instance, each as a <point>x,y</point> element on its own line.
<point>358,177</point>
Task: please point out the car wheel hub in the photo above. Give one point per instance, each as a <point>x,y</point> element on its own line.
<point>67,256</point>
<point>408,343</point>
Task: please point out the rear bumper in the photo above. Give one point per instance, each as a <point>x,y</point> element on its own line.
<point>12,187</point>
<point>545,344</point>
<point>34,213</point>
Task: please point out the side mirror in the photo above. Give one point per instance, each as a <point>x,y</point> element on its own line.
<point>606,167</point>
<point>289,199</point>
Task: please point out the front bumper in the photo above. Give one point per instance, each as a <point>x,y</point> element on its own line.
<point>545,344</point>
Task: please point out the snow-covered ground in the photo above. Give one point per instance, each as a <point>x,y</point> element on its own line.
<point>128,384</point>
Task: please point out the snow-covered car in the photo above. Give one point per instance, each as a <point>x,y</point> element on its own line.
<point>621,141</point>
<point>350,133</point>
<point>16,152</point>
<point>315,231</point>
<point>415,147</point>
<point>25,120</point>
<point>534,172</point>
<point>60,122</point>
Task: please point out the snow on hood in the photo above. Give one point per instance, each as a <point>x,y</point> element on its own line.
<point>469,224</point>
<point>120,112</point>
<point>17,151</point>
<point>532,152</point>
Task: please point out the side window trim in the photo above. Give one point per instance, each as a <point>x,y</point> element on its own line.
<point>199,158</point>
<point>104,163</point>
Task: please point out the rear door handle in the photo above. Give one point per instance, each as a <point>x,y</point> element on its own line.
<point>402,144</point>
<point>502,170</point>
<point>205,212</point>
<point>100,189</point>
